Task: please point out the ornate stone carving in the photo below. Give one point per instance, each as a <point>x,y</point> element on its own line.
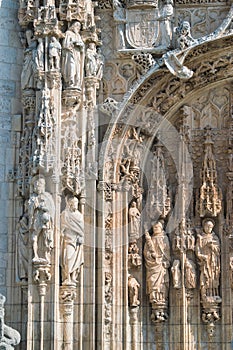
<point>157,260</point>
<point>67,298</point>
<point>43,138</point>
<point>210,194</point>
<point>72,239</point>
<point>185,38</point>
<point>9,337</point>
<point>41,221</point>
<point>133,287</point>
<point>144,61</point>
<point>29,66</point>
<point>73,57</point>
<point>72,10</point>
<point>108,298</point>
<point>158,199</point>
<point>164,38</point>
<point>134,222</point>
<point>176,274</point>
<point>134,259</point>
<point>208,253</point>
<point>54,54</point>
<point>22,232</point>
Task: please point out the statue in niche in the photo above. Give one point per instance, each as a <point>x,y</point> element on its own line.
<point>22,231</point>
<point>91,60</point>
<point>208,253</point>
<point>29,65</point>
<point>39,59</point>
<point>72,239</point>
<point>164,38</point>
<point>41,220</point>
<point>54,53</point>
<point>133,288</point>
<point>100,63</point>
<point>157,259</point>
<point>176,274</point>
<point>73,57</point>
<point>190,274</point>
<point>134,222</point>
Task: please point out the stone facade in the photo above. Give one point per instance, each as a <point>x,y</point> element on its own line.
<point>116,174</point>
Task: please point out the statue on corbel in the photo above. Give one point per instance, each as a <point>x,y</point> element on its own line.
<point>208,254</point>
<point>41,211</point>
<point>72,239</point>
<point>157,260</point>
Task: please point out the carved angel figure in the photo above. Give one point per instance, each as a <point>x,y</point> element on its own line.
<point>72,231</point>
<point>73,57</point>
<point>157,258</point>
<point>41,220</point>
<point>208,253</point>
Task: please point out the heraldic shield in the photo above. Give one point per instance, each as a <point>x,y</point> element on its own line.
<point>141,27</point>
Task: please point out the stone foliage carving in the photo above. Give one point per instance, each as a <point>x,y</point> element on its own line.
<point>72,239</point>
<point>108,298</point>
<point>73,57</point>
<point>208,253</point>
<point>41,221</point>
<point>9,337</point>
<point>133,287</point>
<point>157,260</point>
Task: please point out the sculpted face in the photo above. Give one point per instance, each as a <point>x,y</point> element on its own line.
<point>208,226</point>
<point>157,228</point>
<point>73,204</point>
<point>39,186</point>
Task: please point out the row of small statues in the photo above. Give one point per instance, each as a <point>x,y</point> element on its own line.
<point>38,221</point>
<point>71,56</point>
<point>157,257</point>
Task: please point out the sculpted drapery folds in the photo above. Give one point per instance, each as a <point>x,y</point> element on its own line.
<point>72,238</point>
<point>134,222</point>
<point>157,259</point>
<point>208,253</point>
<point>73,57</point>
<point>41,220</point>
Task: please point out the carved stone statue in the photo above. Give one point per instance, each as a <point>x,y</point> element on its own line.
<point>9,337</point>
<point>54,53</point>
<point>185,38</point>
<point>100,64</point>
<point>41,220</point>
<point>72,231</point>
<point>157,259</point>
<point>208,253</point>
<point>190,274</point>
<point>91,60</point>
<point>133,287</point>
<point>176,274</point>
<point>39,59</point>
<point>134,222</point>
<point>163,41</point>
<point>73,57</point>
<point>22,231</point>
<point>29,65</point>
